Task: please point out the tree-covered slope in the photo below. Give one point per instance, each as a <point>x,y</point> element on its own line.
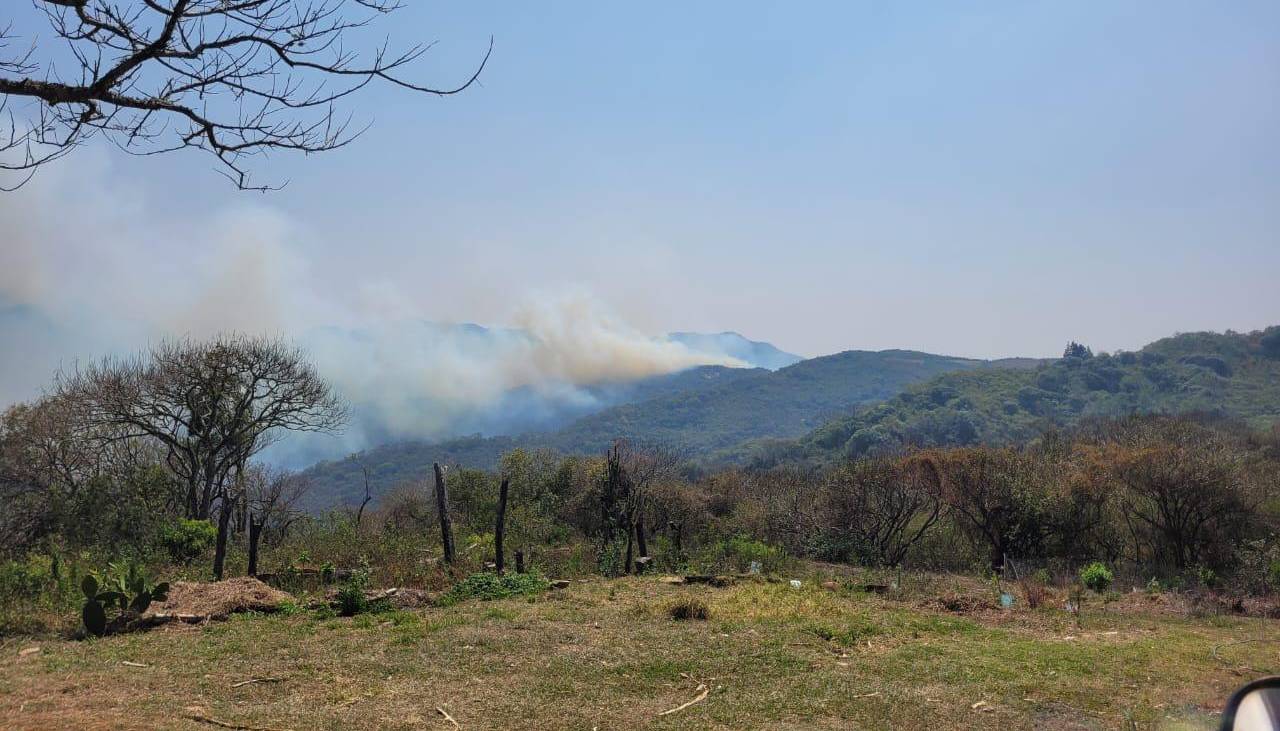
<point>700,412</point>
<point>1232,374</point>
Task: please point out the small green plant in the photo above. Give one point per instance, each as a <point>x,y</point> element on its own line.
<point>740,553</point>
<point>1154,587</point>
<point>1043,577</point>
<point>351,599</point>
<point>1097,576</point>
<point>185,540</point>
<point>688,608</point>
<point>328,572</point>
<point>487,585</point>
<point>129,591</point>
<point>1207,577</point>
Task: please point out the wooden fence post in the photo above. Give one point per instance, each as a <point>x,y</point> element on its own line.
<point>255,532</point>
<point>500,527</point>
<point>519,562</point>
<point>442,504</point>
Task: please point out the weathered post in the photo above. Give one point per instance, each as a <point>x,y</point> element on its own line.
<point>641,542</point>
<point>442,505</point>
<point>500,527</point>
<point>626,562</point>
<point>519,562</point>
<point>220,545</point>
<point>255,532</point>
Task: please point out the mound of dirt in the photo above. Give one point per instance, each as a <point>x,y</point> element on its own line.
<point>218,599</point>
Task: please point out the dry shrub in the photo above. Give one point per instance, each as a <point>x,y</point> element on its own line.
<point>688,608</point>
<point>1034,592</point>
<point>964,603</point>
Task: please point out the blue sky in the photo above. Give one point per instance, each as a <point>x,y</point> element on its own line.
<point>980,179</point>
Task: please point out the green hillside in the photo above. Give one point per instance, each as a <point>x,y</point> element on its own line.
<point>714,412</point>
<point>1232,374</point>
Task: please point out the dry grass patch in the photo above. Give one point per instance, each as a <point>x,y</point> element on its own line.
<point>606,654</point>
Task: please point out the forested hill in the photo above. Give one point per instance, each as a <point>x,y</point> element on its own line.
<point>714,411</point>
<point>1232,374</point>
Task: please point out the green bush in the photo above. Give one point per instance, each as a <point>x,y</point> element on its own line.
<point>487,585</point>
<point>24,580</point>
<point>1207,577</point>
<point>1097,576</point>
<point>185,540</point>
<point>740,552</point>
<point>351,599</point>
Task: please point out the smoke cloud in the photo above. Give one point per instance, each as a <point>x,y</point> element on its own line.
<point>90,267</point>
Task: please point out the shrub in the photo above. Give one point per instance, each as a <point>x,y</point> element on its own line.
<point>351,599</point>
<point>185,540</point>
<point>1154,587</point>
<point>688,608</point>
<point>740,552</point>
<point>1097,576</point>
<point>487,586</point>
<point>1034,592</point>
<point>1207,577</point>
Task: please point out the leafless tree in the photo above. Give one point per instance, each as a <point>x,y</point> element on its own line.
<point>50,460</point>
<point>1184,490</point>
<point>631,471</point>
<point>212,405</point>
<point>234,78</point>
<point>882,506</point>
<point>273,495</point>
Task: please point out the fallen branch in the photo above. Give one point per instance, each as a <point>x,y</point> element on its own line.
<point>447,717</point>
<point>251,681</point>
<point>131,664</point>
<point>700,698</point>
<point>224,724</point>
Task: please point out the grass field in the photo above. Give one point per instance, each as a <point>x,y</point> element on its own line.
<point>606,655</point>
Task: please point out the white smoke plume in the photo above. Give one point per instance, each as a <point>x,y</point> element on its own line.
<point>89,267</point>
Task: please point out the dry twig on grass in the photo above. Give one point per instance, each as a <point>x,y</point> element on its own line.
<point>224,724</point>
<point>447,717</point>
<point>698,699</point>
<point>251,681</point>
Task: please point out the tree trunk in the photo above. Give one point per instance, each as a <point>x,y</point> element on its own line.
<point>220,548</point>
<point>442,505</point>
<point>519,562</point>
<point>255,532</point>
<point>498,529</point>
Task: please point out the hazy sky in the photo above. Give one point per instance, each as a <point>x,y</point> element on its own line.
<point>979,179</point>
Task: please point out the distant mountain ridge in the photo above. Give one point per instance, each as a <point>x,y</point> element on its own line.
<point>708,410</point>
<point>1235,375</point>
<point>753,352</point>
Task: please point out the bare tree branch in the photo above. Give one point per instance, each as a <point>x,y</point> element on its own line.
<point>234,78</point>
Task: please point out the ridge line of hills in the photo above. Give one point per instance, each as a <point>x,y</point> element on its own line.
<point>861,402</point>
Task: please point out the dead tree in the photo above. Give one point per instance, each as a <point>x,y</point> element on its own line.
<point>500,527</point>
<point>442,506</point>
<point>367,497</point>
<point>234,78</point>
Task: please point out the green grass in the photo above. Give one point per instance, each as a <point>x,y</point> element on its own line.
<point>606,654</point>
